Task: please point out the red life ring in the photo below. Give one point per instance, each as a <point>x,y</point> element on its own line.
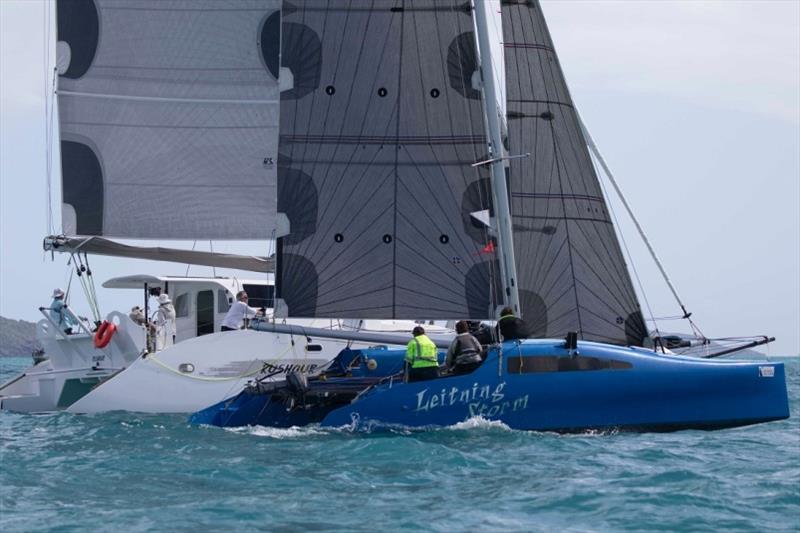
<point>104,333</point>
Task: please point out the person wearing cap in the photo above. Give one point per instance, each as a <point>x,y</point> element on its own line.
<point>422,357</point>
<point>234,319</point>
<point>58,314</point>
<point>509,327</point>
<point>164,322</point>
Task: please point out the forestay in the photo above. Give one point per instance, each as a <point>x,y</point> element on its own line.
<point>168,118</point>
<point>378,132</point>
<point>571,272</point>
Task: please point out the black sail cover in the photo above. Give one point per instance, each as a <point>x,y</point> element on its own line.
<point>168,118</point>
<point>377,135</point>
<point>571,272</point>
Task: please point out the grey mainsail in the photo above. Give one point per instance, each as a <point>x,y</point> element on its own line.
<point>168,118</point>
<point>571,271</point>
<point>378,132</point>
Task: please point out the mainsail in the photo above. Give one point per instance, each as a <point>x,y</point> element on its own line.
<point>168,118</point>
<point>378,132</point>
<point>571,271</point>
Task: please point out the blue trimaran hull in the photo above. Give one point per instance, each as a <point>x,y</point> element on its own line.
<point>539,385</point>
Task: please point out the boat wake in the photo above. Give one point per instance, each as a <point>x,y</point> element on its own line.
<point>293,432</point>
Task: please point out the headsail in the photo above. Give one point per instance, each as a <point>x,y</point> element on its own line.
<point>571,271</point>
<point>377,136</point>
<point>168,118</point>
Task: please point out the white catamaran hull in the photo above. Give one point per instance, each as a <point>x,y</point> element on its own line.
<point>198,372</point>
<point>41,388</point>
<point>73,367</point>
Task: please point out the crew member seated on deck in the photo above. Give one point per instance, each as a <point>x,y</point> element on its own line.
<point>421,357</point>
<point>58,313</point>
<point>238,312</point>
<point>464,354</point>
<point>509,327</point>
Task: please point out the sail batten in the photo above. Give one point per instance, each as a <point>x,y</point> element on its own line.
<point>571,271</point>
<point>165,99</point>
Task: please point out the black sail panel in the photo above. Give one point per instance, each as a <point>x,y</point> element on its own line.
<point>571,271</point>
<point>382,133</point>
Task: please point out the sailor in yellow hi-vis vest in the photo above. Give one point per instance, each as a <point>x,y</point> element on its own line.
<point>421,357</point>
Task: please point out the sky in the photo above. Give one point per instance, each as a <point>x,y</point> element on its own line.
<point>694,104</point>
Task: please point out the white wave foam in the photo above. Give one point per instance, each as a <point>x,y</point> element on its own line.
<point>478,422</point>
<point>278,433</point>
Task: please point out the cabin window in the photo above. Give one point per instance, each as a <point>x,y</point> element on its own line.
<point>205,312</point>
<point>260,295</point>
<point>552,363</point>
<point>182,305</point>
<point>222,301</point>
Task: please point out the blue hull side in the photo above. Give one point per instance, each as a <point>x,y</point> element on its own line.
<point>250,408</point>
<point>605,387</point>
<point>255,410</point>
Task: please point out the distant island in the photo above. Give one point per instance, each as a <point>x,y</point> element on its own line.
<point>17,338</point>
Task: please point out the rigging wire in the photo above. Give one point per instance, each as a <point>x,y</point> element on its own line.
<point>627,250</point>
<point>499,76</point>
<point>593,148</point>
<point>93,289</point>
<point>188,265</point>
<point>69,282</point>
<point>271,248</point>
<point>48,96</point>
<point>87,284</point>
<point>211,249</point>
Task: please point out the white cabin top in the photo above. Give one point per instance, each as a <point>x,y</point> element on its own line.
<point>200,302</point>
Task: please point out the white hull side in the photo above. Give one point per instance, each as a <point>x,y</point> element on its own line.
<point>221,364</point>
<point>73,367</point>
<point>41,388</point>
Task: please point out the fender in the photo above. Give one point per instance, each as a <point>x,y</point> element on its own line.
<point>104,333</point>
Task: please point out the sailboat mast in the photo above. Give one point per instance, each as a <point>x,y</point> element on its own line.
<point>502,211</point>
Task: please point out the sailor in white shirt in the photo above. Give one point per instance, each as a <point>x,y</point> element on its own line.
<point>238,312</point>
<point>165,322</point>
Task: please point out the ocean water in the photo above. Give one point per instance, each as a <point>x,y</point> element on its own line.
<point>134,472</point>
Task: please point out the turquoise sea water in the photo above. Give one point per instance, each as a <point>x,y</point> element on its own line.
<point>134,472</point>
